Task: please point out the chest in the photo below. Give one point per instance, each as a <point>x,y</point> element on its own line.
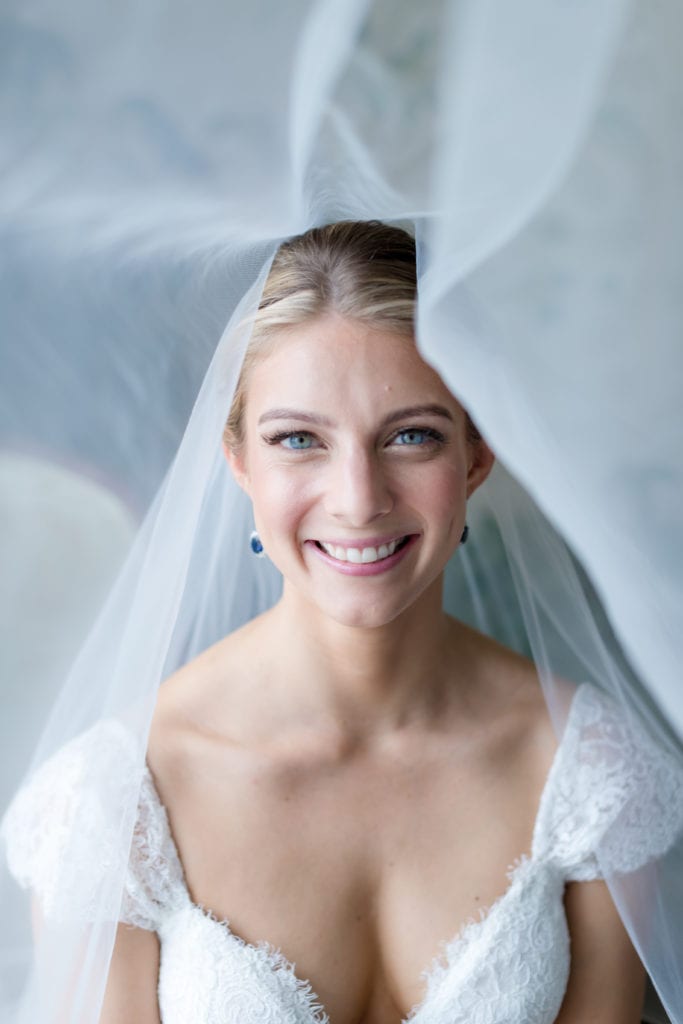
<point>360,871</point>
<point>511,966</point>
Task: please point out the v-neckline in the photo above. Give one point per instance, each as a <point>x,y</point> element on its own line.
<point>437,969</point>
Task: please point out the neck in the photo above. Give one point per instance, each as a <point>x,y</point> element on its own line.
<point>359,681</point>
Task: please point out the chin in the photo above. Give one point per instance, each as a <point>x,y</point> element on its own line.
<point>363,606</point>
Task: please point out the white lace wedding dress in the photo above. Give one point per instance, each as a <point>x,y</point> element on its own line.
<point>509,967</point>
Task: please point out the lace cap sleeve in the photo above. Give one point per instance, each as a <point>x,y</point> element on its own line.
<point>614,799</point>
<point>155,884</point>
<point>64,833</point>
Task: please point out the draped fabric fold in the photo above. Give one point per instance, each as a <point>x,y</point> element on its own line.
<point>152,159</point>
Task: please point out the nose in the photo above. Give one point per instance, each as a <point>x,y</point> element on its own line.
<point>358,489</point>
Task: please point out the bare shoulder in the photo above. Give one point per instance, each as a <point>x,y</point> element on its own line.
<point>508,699</point>
<point>200,705</point>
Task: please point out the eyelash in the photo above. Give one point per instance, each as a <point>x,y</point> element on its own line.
<point>282,435</point>
<point>435,437</point>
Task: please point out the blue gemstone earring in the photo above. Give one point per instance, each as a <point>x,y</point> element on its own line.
<point>256,545</point>
<point>465,532</point>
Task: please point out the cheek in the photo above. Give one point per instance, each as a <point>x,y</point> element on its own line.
<point>280,498</point>
<point>438,489</point>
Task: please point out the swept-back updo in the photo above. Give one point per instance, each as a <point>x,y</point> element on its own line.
<point>363,270</point>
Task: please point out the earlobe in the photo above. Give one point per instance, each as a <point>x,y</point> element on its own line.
<point>238,467</point>
<point>482,463</point>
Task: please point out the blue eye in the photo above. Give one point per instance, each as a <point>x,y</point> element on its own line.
<point>414,437</point>
<point>297,441</point>
<point>293,440</point>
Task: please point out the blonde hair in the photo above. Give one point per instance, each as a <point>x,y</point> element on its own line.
<point>363,270</point>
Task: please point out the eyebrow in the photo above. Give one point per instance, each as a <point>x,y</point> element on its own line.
<point>324,421</point>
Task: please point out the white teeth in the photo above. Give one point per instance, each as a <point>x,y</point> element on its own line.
<point>338,553</point>
<point>358,555</point>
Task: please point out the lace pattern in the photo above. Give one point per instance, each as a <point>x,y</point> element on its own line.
<point>228,980</point>
<point>64,831</point>
<point>511,963</point>
<point>154,881</point>
<point>612,801</point>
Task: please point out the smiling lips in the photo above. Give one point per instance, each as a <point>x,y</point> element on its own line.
<point>361,555</point>
<point>375,555</point>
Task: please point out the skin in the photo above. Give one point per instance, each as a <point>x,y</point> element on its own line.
<point>313,763</point>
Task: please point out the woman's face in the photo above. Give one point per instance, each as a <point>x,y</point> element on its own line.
<point>356,461</point>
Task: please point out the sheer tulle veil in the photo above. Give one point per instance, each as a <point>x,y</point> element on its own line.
<point>153,158</point>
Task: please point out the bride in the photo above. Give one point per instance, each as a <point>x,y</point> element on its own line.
<point>355,807</point>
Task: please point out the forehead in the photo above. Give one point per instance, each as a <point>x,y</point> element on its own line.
<point>346,366</point>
